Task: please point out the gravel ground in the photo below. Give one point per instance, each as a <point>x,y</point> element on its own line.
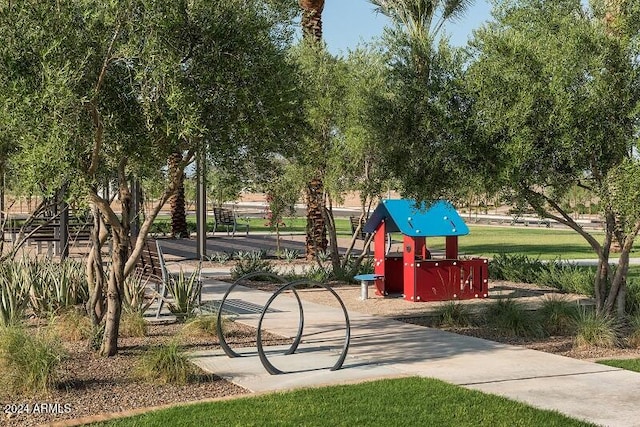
<point>89,384</point>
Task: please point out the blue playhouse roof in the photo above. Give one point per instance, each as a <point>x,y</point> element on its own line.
<point>403,215</point>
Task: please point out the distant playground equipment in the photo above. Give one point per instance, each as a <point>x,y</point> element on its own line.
<point>298,338</point>
<point>416,273</point>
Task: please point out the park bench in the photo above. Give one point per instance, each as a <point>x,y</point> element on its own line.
<point>152,267</point>
<point>45,231</point>
<point>226,218</point>
<point>526,221</point>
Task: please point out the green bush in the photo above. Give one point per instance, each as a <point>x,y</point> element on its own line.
<point>564,276</point>
<point>28,362</point>
<point>165,364</point>
<point>633,295</point>
<point>511,318</point>
<point>557,315</point>
<point>596,330</point>
<point>252,265</point>
<point>453,314</point>
<point>567,277</point>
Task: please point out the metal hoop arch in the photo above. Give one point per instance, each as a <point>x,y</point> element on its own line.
<point>347,339</point>
<point>223,342</point>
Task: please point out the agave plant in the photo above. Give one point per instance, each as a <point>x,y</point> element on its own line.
<point>185,291</point>
<point>14,295</point>
<point>55,286</point>
<point>134,298</point>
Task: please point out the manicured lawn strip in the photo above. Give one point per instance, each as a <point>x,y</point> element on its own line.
<point>628,364</point>
<point>396,402</point>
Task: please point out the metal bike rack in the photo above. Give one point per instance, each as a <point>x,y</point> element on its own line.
<point>296,342</point>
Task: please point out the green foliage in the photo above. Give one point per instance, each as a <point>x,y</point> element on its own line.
<point>561,275</point>
<point>55,286</point>
<point>185,293</point>
<point>515,267</point>
<point>220,257</point>
<point>511,318</point>
<point>567,277</point>
<point>453,314</point>
<point>132,324</point>
<point>289,255</point>
<point>165,364</point>
<point>14,294</point>
<point>596,330</point>
<point>28,361</point>
<point>557,315</point>
<point>135,289</point>
<point>252,265</point>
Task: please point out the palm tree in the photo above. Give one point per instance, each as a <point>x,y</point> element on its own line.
<point>316,239</point>
<point>177,200</point>
<point>422,18</point>
<point>311,19</point>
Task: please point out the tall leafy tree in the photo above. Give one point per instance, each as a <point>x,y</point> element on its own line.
<point>556,96</point>
<point>421,117</point>
<point>99,90</point>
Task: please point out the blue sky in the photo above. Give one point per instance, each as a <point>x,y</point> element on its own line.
<point>348,22</point>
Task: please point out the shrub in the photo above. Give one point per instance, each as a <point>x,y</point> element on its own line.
<point>202,326</point>
<point>633,295</point>
<point>517,268</point>
<point>595,330</point>
<point>248,266</point>
<point>557,315</point>
<point>165,364</point>
<point>567,277</point>
<point>55,286</point>
<point>134,298</point>
<point>511,318</point>
<point>28,362</point>
<point>14,295</point>
<point>132,324</point>
<point>289,255</point>
<point>185,291</point>
<point>71,325</point>
<point>220,257</point>
<point>452,314</point>
<point>634,331</point>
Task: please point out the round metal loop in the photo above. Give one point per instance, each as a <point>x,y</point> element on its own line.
<point>345,348</point>
<point>221,338</point>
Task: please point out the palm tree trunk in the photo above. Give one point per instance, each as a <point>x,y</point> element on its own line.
<point>177,201</point>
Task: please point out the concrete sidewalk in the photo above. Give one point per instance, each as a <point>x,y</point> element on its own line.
<point>382,347</point>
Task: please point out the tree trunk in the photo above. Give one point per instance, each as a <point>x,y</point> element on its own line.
<point>311,20</point>
<point>115,290</point>
<point>177,200</point>
<point>316,240</point>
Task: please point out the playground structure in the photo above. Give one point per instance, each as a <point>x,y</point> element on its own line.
<point>416,272</point>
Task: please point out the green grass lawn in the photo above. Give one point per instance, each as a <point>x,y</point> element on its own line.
<point>396,402</point>
<point>628,364</point>
<point>544,243</point>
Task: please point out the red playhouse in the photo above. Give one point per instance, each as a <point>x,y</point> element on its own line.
<point>417,273</point>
